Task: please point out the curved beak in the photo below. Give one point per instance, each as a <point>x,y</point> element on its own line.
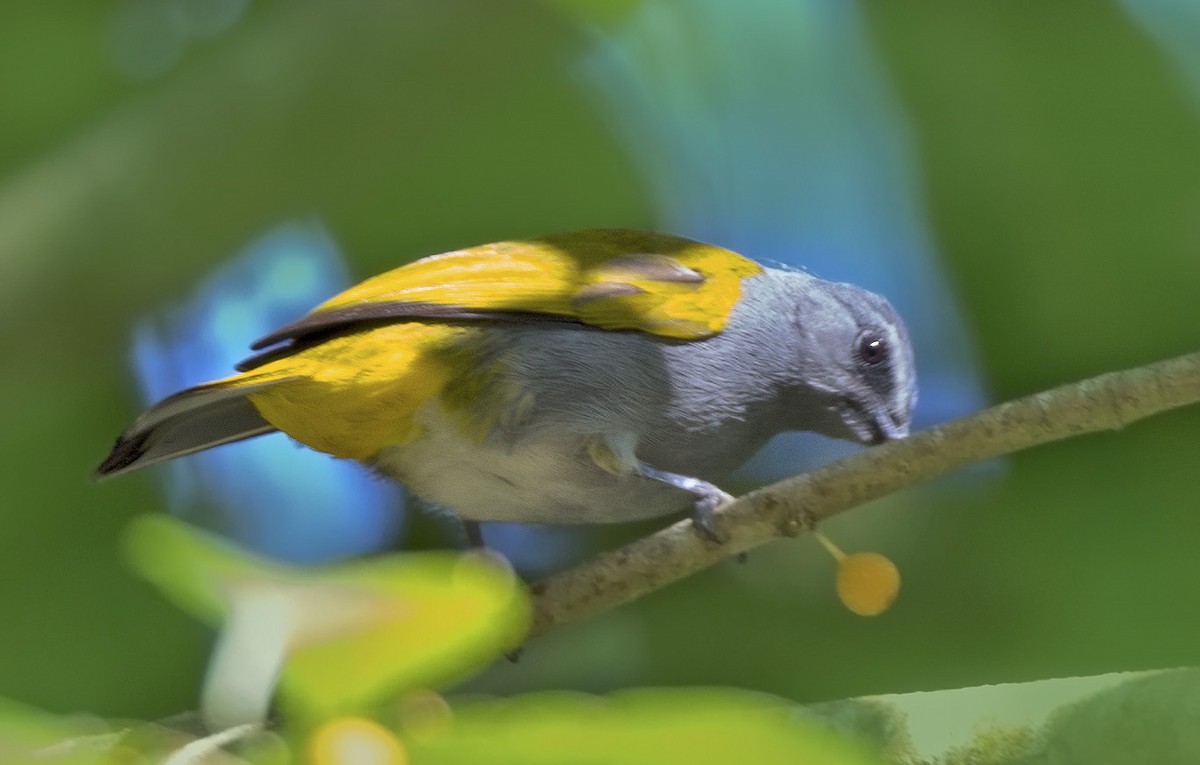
<point>873,423</point>
<point>884,426</point>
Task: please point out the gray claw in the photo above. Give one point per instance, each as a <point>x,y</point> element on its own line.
<point>704,514</point>
<point>708,499</point>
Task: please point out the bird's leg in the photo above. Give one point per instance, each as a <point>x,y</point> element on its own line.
<point>474,534</point>
<point>475,544</point>
<point>616,455</point>
<point>708,498</point>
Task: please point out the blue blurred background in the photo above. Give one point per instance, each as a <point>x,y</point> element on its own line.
<point>267,493</point>
<point>1021,180</point>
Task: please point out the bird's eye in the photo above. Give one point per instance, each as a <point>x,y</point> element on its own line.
<point>872,349</point>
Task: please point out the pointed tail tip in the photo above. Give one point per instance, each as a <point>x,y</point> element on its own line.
<point>123,457</point>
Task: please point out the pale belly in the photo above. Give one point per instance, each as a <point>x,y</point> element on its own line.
<point>539,478</point>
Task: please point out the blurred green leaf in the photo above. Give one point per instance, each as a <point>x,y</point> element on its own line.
<point>656,726</point>
<point>350,633</point>
<point>189,567</point>
<point>450,614</point>
<point>25,731</point>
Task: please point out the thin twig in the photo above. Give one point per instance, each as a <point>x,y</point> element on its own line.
<point>1107,402</point>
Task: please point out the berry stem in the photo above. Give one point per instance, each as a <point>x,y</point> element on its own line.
<point>833,549</point>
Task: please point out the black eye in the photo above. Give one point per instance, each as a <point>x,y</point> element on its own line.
<point>872,349</point>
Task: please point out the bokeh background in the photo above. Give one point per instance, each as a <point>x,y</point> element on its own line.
<point>1022,179</point>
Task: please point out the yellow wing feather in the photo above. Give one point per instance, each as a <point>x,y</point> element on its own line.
<point>352,395</point>
<point>552,274</point>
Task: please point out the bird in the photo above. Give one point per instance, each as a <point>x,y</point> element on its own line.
<point>585,377</point>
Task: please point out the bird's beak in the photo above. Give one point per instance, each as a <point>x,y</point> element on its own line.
<point>884,426</point>
<point>871,424</point>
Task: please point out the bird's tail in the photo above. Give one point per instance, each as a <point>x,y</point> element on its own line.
<point>190,421</point>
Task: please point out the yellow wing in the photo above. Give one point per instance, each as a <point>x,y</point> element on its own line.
<point>354,371</point>
<point>611,278</point>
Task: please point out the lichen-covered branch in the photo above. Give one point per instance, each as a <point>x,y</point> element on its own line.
<point>1107,402</point>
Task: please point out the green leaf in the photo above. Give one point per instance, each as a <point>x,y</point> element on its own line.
<point>31,735</point>
<point>443,616</point>
<point>191,568</point>
<point>655,726</point>
<point>347,635</point>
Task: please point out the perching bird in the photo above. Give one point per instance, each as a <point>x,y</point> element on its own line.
<point>588,377</point>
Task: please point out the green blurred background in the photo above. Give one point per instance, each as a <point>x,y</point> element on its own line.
<point>1057,148</point>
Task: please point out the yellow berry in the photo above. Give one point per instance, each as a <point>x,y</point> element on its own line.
<point>867,583</point>
<point>355,741</point>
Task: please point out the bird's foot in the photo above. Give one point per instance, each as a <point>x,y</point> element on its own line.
<point>704,512</point>
<point>708,499</point>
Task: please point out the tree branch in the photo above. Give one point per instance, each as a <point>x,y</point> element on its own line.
<point>1108,402</point>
